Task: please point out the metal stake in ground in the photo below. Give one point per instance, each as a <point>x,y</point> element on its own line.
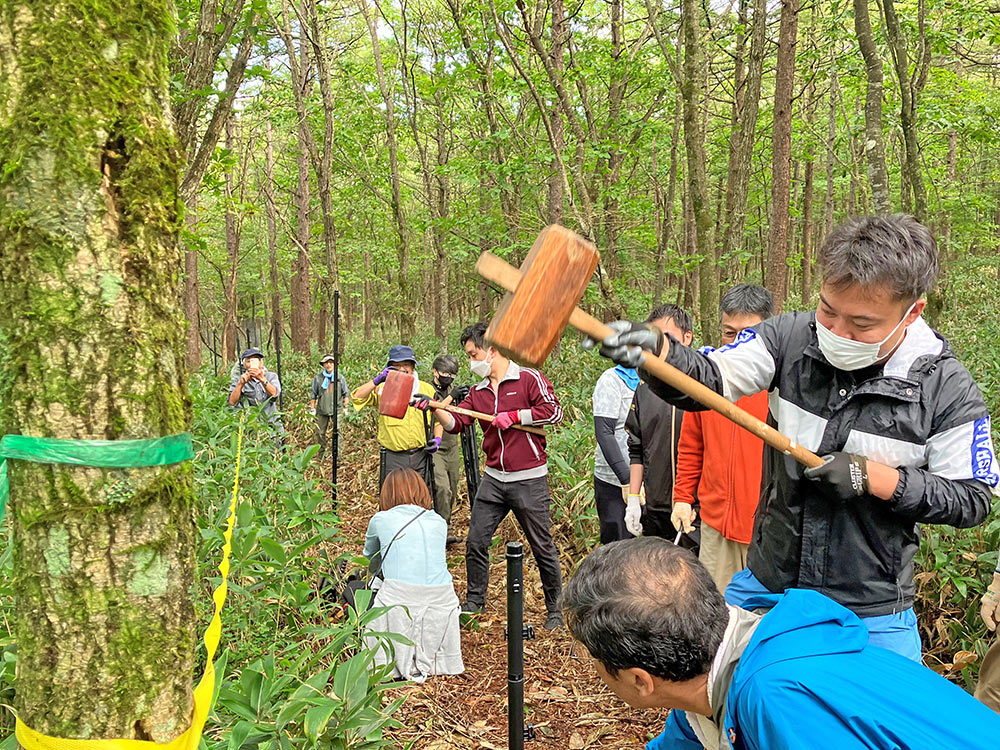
<point>517,732</point>
<point>470,457</point>
<point>277,352</point>
<point>335,436</point>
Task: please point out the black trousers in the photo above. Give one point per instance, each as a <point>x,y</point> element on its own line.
<point>656,522</point>
<point>610,511</point>
<point>529,500</point>
<point>418,459</point>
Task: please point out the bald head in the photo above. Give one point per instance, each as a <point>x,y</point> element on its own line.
<point>648,604</point>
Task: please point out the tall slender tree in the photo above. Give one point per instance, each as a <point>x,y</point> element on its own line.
<point>90,312</point>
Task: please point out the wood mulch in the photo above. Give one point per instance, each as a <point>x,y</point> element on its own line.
<point>565,700</point>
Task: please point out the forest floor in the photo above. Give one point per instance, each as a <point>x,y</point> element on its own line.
<point>565,700</point>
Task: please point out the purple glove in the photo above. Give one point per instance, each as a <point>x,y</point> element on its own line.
<point>380,378</point>
<point>421,401</point>
<point>507,419</point>
<point>432,445</point>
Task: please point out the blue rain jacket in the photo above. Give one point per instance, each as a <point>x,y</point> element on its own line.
<point>809,678</point>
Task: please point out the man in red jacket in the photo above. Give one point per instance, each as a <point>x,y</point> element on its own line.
<point>719,463</point>
<point>516,467</point>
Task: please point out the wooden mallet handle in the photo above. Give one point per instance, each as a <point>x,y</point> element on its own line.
<point>495,269</point>
<point>481,415</point>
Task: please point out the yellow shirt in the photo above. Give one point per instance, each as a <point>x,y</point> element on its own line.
<point>398,434</point>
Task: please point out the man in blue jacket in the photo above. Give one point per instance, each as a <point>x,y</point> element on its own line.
<point>802,675</point>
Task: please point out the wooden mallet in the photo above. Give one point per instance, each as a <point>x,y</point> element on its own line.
<point>542,299</point>
<point>398,391</point>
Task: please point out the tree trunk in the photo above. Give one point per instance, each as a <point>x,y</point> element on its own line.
<point>271,211</point>
<point>743,122</point>
<point>831,145</point>
<point>192,311</point>
<point>230,336</point>
<point>560,31</point>
<point>90,313</point>
<point>874,149</point>
<point>776,273</point>
<point>407,328</point>
<point>693,93</point>
<point>908,111</point>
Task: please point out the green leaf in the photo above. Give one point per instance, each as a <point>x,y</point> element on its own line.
<point>316,720</point>
<point>239,734</point>
<point>274,549</point>
<point>350,681</point>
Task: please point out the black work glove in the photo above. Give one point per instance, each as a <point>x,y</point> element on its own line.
<point>626,345</point>
<point>459,392</point>
<point>844,476</point>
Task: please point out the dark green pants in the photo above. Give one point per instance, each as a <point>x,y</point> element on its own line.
<point>447,463</point>
<point>322,424</point>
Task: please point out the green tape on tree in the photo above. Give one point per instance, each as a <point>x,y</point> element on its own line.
<point>105,454</point>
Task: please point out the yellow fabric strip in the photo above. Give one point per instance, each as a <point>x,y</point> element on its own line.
<point>189,740</point>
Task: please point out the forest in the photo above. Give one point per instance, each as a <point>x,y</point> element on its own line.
<point>182,180</point>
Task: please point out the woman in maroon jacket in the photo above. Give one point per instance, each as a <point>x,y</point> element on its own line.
<point>516,469</point>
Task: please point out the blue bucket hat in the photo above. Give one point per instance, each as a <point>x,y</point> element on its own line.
<point>402,353</point>
<point>252,353</point>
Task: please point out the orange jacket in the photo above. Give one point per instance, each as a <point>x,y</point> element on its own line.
<point>720,464</point>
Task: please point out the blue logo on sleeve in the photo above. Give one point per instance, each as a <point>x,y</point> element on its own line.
<point>982,453</point>
<point>747,334</point>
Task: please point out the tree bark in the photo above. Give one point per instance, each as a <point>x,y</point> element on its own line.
<point>230,335</point>
<point>90,313</point>
<point>908,110</point>
<point>693,93</point>
<point>831,145</point>
<point>271,212</point>
<point>874,149</point>
<point>743,132</point>
<point>776,273</point>
<point>192,308</point>
<point>405,318</point>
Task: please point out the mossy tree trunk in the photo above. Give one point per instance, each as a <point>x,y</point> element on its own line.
<point>89,307</point>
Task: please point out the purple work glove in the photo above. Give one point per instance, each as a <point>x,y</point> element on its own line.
<point>380,378</point>
<point>432,445</point>
<point>421,401</point>
<point>507,419</point>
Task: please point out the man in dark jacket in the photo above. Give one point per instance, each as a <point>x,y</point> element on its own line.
<point>866,383</point>
<point>654,428</point>
<point>516,466</point>
<point>324,397</point>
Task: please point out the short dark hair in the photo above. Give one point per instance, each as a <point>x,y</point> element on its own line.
<point>446,363</point>
<point>675,313</point>
<point>645,603</point>
<point>747,299</point>
<point>476,333</point>
<point>895,251</point>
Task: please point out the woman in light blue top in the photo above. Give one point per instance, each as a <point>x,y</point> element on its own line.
<point>416,592</point>
<point>410,535</point>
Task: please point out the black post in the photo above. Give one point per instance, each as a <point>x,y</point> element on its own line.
<point>215,353</point>
<point>470,458</point>
<point>517,733</point>
<point>335,438</point>
<point>277,352</point>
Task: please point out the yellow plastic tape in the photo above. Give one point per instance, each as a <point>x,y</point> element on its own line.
<point>189,740</point>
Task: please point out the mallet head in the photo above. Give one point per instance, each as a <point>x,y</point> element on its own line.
<point>555,274</point>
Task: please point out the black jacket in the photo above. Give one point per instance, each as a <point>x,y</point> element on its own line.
<point>654,428</point>
<point>921,412</point>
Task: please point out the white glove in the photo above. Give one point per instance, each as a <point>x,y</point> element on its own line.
<point>633,515</point>
<point>989,609</point>
<point>683,515</point>
<point>313,411</point>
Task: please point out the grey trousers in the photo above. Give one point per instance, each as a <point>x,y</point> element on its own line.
<point>417,459</point>
<point>323,423</point>
<point>447,463</point>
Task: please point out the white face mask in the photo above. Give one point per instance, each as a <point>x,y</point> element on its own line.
<point>848,354</point>
<point>481,367</point>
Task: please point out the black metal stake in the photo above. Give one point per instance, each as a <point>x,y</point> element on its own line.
<point>517,732</point>
<point>470,458</point>
<point>277,352</point>
<point>215,353</point>
<point>335,438</point>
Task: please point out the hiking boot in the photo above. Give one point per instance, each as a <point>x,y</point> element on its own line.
<point>472,609</point>
<point>453,540</point>
<point>553,621</point>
